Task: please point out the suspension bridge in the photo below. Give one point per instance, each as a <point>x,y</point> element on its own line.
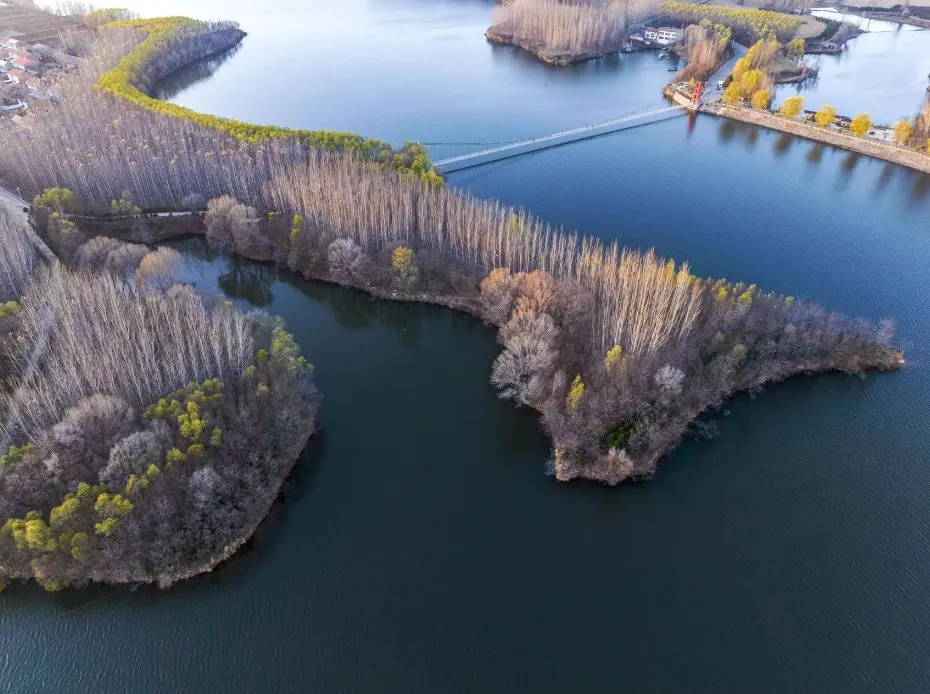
<point>533,144</point>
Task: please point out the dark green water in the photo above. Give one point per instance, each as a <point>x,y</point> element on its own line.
<point>420,548</point>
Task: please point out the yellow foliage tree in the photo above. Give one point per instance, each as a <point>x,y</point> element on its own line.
<point>761,99</point>
<point>575,393</point>
<point>403,266</point>
<point>613,354</point>
<point>861,124</point>
<point>734,93</point>
<point>902,131</point>
<point>792,106</point>
<point>825,116</point>
<point>751,81</point>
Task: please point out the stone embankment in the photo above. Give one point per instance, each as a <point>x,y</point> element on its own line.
<point>863,145</point>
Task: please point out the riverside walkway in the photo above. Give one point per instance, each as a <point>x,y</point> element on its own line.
<point>534,144</point>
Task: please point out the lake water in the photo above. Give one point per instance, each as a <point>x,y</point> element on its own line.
<point>419,547</point>
<point>884,72</point>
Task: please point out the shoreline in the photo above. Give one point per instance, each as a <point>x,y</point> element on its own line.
<point>550,56</point>
<point>564,470</point>
<point>912,159</point>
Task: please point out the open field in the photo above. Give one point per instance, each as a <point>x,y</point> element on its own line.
<point>32,26</point>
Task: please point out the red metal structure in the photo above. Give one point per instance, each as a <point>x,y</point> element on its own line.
<point>696,96</point>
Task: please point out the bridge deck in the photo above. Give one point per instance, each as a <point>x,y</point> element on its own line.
<point>537,143</point>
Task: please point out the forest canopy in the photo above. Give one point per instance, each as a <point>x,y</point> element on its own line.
<point>146,428</point>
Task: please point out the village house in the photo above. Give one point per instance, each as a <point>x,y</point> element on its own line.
<point>12,44</point>
<point>17,76</point>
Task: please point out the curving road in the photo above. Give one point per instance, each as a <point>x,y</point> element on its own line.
<point>711,95</point>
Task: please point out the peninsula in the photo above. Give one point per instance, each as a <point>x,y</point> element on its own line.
<point>618,349</point>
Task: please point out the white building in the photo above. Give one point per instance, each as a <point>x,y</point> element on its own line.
<point>664,36</point>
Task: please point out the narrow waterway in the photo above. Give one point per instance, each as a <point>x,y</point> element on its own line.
<point>419,546</point>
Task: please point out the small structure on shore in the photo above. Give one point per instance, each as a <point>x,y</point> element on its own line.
<point>661,36</point>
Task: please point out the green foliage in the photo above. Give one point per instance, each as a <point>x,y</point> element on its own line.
<point>79,546</point>
<point>89,492</point>
<point>795,48</point>
<point>825,116</point>
<point>617,435</point>
<point>55,199</point>
<point>285,352</point>
<point>792,106</point>
<point>173,457</point>
<point>192,425</point>
<point>97,18</point>
<point>106,527</point>
<point>124,206</point>
<point>195,451</point>
<point>112,505</point>
<point>30,534</point>
<point>296,225</point>
<point>62,514</point>
<point>216,437</point>
<point>861,124</point>
<point>162,36</point>
<point>830,27</point>
<point>10,309</point>
<point>178,403</point>
<point>14,455</point>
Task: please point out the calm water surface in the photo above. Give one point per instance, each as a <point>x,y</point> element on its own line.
<point>883,72</point>
<point>420,548</point>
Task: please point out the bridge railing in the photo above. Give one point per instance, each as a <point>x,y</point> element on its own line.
<point>651,110</point>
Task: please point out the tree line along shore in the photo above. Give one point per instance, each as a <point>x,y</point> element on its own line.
<point>619,350</point>
<point>562,33</point>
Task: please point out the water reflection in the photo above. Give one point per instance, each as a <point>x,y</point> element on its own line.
<point>815,153</point>
<point>249,281</point>
<point>783,144</point>
<point>884,178</point>
<point>193,73</point>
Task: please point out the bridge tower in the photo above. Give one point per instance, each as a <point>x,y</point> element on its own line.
<point>696,95</point>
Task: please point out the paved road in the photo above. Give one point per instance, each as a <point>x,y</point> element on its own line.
<point>13,201</point>
<point>711,95</point>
